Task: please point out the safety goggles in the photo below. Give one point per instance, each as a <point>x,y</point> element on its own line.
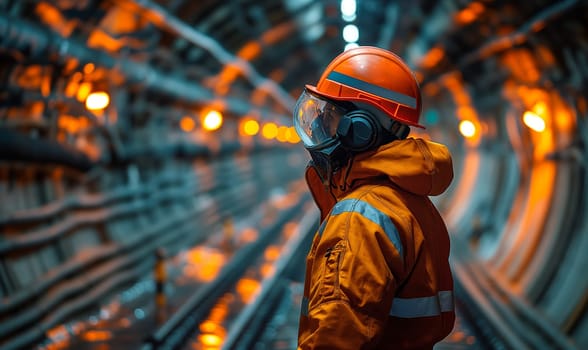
<point>316,119</point>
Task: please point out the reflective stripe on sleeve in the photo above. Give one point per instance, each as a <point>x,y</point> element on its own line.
<point>373,89</point>
<point>372,214</point>
<point>423,307</point>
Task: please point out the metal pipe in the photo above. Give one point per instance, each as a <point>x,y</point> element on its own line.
<point>166,20</point>
<point>519,36</point>
<point>499,44</point>
<point>17,147</point>
<point>27,36</point>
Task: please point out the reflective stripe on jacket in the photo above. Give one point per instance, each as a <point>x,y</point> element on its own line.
<point>377,274</point>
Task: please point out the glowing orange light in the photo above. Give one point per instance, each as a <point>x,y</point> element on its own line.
<point>247,288</point>
<point>465,16</point>
<point>208,326</point>
<point>249,235</point>
<point>187,124</point>
<point>204,264</point>
<point>272,253</point>
<point>212,120</point>
<point>534,121</point>
<point>282,134</point>
<point>251,127</point>
<point>293,135</point>
<point>267,269</point>
<point>470,13</point>
<point>432,58</point>
<point>70,124</point>
<point>540,108</point>
<point>211,340</point>
<point>467,128</point>
<point>269,131</point>
<point>89,68</point>
<point>97,335</point>
<point>290,228</point>
<point>83,91</point>
<point>97,101</point>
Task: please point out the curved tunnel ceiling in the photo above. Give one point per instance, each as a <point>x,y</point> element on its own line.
<point>511,75</point>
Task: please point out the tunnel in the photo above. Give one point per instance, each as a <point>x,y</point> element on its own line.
<point>152,191</point>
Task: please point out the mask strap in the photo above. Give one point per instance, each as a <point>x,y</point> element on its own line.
<point>399,130</point>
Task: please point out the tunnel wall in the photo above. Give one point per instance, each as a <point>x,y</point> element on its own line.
<point>517,208</point>
<point>72,239</point>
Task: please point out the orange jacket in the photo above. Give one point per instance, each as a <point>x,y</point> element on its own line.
<point>377,274</point>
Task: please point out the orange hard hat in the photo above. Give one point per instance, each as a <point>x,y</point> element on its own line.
<point>375,76</point>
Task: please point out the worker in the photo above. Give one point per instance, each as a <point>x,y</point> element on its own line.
<point>377,273</point>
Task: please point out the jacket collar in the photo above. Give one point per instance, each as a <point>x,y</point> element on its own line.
<point>415,165</point>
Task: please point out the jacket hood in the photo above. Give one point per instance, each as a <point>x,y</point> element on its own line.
<point>416,165</point>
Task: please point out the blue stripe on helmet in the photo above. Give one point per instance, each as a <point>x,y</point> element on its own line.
<point>373,89</point>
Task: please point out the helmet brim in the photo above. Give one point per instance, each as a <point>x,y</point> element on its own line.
<point>315,90</point>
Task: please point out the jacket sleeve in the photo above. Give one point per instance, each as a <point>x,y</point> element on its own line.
<point>352,280</point>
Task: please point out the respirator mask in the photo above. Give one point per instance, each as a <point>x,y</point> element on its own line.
<point>316,121</point>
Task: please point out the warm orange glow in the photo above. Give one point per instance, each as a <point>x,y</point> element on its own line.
<point>564,120</point>
<point>89,68</point>
<point>51,16</point>
<point>277,33</point>
<point>213,120</point>
<point>96,335</point>
<point>523,65</point>
<point>211,340</point>
<point>470,13</point>
<point>247,287</point>
<point>466,112</point>
<point>267,270</point>
<point>269,131</point>
<point>277,75</point>
<point>272,253</point>
<point>465,16</point>
<point>209,326</point>
<point>290,228</point>
<point>72,124</point>
<point>124,322</point>
<point>258,97</point>
<point>83,91</point>
<point>540,108</point>
<point>117,22</point>
<point>250,50</point>
<point>467,128</point>
<point>97,101</point>
<point>249,235</point>
<point>57,331</point>
<point>212,332</point>
<point>187,124</point>
<point>251,127</point>
<point>282,137</point>
<point>204,264</point>
<point>72,86</point>
<point>284,201</point>
<point>432,58</point>
<point>220,311</point>
<point>292,135</point>
<point>534,121</point>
